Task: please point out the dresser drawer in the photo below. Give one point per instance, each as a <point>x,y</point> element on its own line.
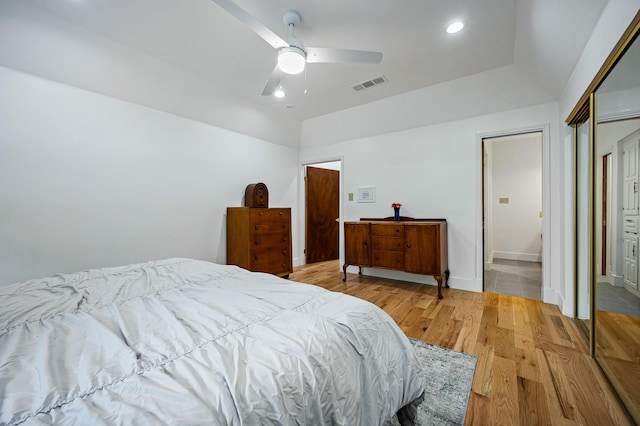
<point>269,214</point>
<point>272,260</point>
<point>388,243</point>
<point>269,221</point>
<point>387,259</point>
<point>387,230</point>
<point>267,240</point>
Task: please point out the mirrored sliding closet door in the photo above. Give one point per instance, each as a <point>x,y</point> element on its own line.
<point>606,125</point>
<point>616,230</point>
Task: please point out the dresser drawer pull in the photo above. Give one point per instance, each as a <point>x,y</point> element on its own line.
<point>256,227</point>
<point>284,252</point>
<point>257,241</point>
<point>255,257</point>
<point>281,213</point>
<point>284,225</point>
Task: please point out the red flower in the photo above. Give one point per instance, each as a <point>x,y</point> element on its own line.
<point>396,205</point>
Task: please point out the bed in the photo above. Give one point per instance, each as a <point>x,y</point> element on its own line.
<point>182,341</point>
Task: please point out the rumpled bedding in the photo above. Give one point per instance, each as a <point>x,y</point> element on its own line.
<point>181,341</point>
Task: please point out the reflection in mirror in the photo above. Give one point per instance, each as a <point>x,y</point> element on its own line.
<point>582,217</point>
<point>617,228</point>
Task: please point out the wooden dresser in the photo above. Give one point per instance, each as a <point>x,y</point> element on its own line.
<point>259,239</point>
<point>418,246</point>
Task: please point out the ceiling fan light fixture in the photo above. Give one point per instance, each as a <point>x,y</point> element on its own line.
<point>291,60</point>
<point>279,92</point>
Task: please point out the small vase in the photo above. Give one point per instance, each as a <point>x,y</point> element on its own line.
<point>396,213</point>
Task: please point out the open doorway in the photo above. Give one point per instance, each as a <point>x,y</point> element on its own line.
<point>322,211</point>
<point>512,214</point>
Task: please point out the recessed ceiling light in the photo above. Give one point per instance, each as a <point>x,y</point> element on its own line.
<point>455,27</point>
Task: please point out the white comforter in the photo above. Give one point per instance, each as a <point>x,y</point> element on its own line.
<point>180,341</point>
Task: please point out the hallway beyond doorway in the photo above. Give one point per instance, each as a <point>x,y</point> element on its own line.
<point>515,278</point>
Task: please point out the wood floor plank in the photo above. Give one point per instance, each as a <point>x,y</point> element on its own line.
<point>478,410</point>
<point>483,376</point>
<point>505,346</point>
<point>466,340</point>
<point>531,398</point>
<point>504,404</point>
<point>533,365</point>
<point>505,312</point>
<point>561,386</point>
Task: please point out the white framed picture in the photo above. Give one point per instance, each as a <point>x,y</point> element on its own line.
<point>367,194</point>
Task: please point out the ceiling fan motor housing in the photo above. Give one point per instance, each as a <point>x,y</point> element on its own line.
<point>291,17</point>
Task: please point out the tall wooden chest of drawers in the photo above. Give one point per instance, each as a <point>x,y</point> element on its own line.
<point>260,239</point>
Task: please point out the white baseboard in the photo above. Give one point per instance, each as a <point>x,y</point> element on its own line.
<point>617,280</point>
<point>459,283</point>
<point>526,257</point>
<point>552,297</point>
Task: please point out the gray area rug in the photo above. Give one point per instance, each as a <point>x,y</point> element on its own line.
<point>449,376</point>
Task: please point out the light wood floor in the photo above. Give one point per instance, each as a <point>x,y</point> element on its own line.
<point>533,366</point>
<point>618,349</point>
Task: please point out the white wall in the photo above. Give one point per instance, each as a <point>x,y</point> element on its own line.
<point>615,19</point>
<point>516,174</point>
<point>89,181</point>
<point>36,42</point>
<point>434,171</point>
<point>498,90</point>
<point>613,22</point>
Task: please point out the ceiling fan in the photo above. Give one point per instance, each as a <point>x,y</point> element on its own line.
<point>292,54</point>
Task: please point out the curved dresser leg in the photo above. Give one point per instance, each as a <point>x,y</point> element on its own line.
<point>439,280</point>
<point>446,278</point>
<point>344,269</point>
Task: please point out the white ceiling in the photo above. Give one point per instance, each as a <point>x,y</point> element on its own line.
<point>542,37</point>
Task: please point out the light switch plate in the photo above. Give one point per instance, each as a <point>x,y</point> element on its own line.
<point>504,200</point>
<point>351,196</point>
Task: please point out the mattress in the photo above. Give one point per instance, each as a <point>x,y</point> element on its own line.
<point>182,341</point>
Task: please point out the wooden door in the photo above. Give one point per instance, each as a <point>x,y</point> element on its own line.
<point>422,253</point>
<point>357,244</point>
<point>322,214</point>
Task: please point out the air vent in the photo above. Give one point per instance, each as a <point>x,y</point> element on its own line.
<point>369,83</point>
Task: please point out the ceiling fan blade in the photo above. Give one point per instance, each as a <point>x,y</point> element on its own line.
<point>274,81</point>
<point>327,54</point>
<point>256,26</point>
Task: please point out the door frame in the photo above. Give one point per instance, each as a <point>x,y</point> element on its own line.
<point>302,213</point>
<point>548,294</point>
